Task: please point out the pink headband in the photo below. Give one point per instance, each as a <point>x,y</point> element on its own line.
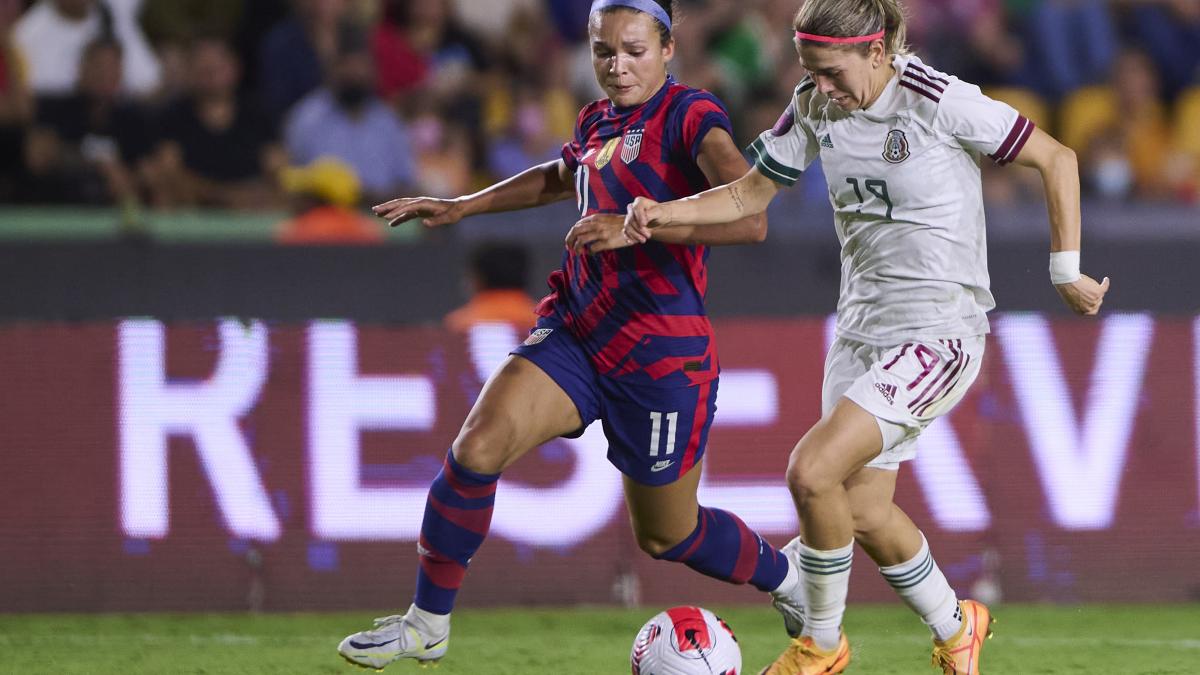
<point>838,40</point>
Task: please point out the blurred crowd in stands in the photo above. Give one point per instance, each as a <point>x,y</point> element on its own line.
<point>255,104</point>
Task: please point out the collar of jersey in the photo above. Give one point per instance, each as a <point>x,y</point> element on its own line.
<point>651,102</point>
<point>882,105</point>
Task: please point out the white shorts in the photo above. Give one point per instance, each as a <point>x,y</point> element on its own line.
<point>905,387</point>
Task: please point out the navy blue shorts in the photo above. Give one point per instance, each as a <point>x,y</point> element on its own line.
<point>655,434</point>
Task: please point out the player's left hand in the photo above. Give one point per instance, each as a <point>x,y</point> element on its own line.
<point>1085,295</point>
<point>598,232</point>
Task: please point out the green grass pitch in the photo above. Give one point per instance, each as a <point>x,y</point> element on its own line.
<point>1030,640</point>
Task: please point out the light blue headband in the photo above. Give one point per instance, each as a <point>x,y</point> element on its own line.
<point>648,6</point>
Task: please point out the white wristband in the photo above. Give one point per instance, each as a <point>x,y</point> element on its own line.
<point>1064,267</point>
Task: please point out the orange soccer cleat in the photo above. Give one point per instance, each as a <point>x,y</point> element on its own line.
<point>959,655</point>
<point>803,657</point>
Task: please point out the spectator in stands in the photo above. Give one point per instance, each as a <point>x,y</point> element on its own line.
<point>324,195</point>
<point>527,141</point>
<point>84,146</point>
<point>419,46</point>
<point>1129,156</point>
<point>1169,31</point>
<point>217,147</point>
<point>1072,43</point>
<point>16,102</point>
<point>496,278</point>
<point>296,52</point>
<point>345,119</point>
<point>52,36</point>
<point>443,155</point>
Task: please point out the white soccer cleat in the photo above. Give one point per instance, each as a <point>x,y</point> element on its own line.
<point>393,638</point>
<point>791,605</point>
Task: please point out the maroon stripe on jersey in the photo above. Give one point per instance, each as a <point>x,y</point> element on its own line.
<point>917,88</point>
<point>1014,141</point>
<point>475,520</point>
<point>1016,148</point>
<point>639,326</point>
<point>691,258</point>
<point>651,274</point>
<point>670,364</point>
<point>945,372</point>
<point>698,420</point>
<point>948,385</point>
<point>926,73</point>
<point>917,78</point>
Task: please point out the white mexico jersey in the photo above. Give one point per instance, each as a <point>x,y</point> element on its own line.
<point>907,198</point>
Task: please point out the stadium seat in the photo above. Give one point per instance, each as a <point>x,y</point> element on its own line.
<point>1026,101</point>
<point>1084,113</point>
<point>1187,115</point>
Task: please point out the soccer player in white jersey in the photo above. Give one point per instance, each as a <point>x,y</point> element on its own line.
<point>900,144</point>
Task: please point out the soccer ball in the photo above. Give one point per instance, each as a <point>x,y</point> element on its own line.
<point>686,641</point>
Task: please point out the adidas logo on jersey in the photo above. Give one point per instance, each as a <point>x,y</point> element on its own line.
<point>826,143</point>
<point>888,391</point>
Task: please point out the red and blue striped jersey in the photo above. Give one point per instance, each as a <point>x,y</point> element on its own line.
<point>638,311</point>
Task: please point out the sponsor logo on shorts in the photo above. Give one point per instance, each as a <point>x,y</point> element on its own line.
<point>659,466</point>
<point>538,335</point>
<point>887,390</point>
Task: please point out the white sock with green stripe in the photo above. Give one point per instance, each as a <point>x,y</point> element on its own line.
<point>826,582</point>
<point>923,587</point>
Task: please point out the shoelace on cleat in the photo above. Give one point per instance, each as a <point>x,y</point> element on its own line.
<point>388,620</point>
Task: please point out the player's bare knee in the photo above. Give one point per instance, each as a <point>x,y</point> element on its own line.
<point>483,446</point>
<point>654,544</point>
<point>806,477</point>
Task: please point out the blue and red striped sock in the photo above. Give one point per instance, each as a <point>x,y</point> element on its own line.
<point>723,547</point>
<point>458,513</point>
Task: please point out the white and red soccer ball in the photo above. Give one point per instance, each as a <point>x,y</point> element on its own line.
<point>686,641</point>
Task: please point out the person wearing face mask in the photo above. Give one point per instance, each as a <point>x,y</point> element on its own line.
<point>622,337</point>
<point>346,120</point>
<point>900,145</point>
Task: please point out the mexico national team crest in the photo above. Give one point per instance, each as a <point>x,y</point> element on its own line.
<point>632,147</point>
<point>895,148</point>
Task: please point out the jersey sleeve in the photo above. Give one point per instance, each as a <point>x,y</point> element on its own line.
<point>572,150</point>
<point>784,151</point>
<point>983,124</point>
<point>703,112</point>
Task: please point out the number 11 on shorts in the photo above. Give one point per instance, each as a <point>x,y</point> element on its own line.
<point>656,427</point>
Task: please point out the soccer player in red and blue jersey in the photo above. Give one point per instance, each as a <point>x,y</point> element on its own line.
<point>622,338</point>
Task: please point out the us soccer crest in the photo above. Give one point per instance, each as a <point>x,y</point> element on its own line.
<point>632,147</point>
<point>895,147</point>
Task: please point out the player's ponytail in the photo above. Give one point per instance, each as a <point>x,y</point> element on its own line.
<point>855,18</point>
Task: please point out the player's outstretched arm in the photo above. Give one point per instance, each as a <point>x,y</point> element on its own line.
<point>722,164</point>
<point>1060,175</point>
<point>538,185</point>
<point>744,198</point>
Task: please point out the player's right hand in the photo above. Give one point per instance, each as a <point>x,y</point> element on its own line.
<point>433,212</point>
<point>1085,295</point>
<point>641,217</point>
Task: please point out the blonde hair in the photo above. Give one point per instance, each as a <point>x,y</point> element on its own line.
<point>852,18</point>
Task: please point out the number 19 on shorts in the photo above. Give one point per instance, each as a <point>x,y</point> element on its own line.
<point>656,419</point>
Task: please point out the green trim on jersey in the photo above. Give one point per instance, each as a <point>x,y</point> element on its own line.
<point>770,167</point>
